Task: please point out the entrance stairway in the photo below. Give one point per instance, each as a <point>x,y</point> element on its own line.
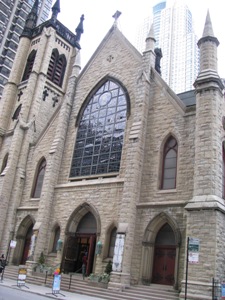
<point>75,283</point>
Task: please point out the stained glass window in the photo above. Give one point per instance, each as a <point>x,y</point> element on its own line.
<point>100,133</point>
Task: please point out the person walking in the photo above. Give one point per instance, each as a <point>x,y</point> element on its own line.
<point>2,265</point>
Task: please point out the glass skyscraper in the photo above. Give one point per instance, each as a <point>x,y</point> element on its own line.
<point>174,34</point>
<point>13,14</point>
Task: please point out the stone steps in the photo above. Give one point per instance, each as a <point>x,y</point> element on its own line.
<point>78,285</point>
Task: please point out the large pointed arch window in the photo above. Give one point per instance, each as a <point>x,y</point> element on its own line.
<point>101,132</point>
<point>56,68</point>
<point>39,179</point>
<point>29,65</point>
<point>169,170</point>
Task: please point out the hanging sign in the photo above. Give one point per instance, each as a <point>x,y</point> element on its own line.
<point>193,251</point>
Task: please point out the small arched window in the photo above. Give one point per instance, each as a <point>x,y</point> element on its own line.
<point>169,170</point>
<point>39,179</point>
<point>56,68</point>
<point>55,239</point>
<point>29,65</point>
<point>100,133</point>
<point>4,163</point>
<point>112,242</point>
<point>17,112</point>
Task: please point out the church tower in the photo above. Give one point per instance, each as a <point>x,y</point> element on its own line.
<point>40,85</point>
<point>206,210</point>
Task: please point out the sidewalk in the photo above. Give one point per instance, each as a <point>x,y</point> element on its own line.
<point>46,291</point>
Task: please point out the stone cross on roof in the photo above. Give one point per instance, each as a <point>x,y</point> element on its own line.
<point>116,16</point>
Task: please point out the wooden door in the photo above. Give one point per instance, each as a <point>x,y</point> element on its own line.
<point>71,255</point>
<point>91,254</point>
<point>164,265</point>
<point>25,251</point>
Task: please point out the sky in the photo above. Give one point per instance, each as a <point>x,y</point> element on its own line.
<point>98,20</point>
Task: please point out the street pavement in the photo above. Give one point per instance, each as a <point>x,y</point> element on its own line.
<point>45,291</point>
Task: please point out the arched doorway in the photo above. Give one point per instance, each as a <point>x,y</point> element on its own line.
<point>81,240</point>
<point>160,251</point>
<point>164,256</point>
<point>23,238</point>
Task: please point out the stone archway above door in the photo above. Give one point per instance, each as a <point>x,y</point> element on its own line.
<point>148,245</point>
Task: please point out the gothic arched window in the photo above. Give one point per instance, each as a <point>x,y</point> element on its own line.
<point>100,132</point>
<point>29,65</point>
<point>56,235</point>
<point>169,170</point>
<point>17,112</point>
<point>4,163</point>
<point>39,179</point>
<point>56,68</point>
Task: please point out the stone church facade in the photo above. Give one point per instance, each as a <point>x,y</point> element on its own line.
<point>110,161</point>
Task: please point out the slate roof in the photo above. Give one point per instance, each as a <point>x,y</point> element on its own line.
<point>188,98</point>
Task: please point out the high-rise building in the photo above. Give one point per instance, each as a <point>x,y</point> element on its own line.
<point>157,19</point>
<point>13,14</point>
<point>174,34</point>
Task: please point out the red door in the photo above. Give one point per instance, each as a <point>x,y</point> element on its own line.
<point>25,251</point>
<point>164,265</point>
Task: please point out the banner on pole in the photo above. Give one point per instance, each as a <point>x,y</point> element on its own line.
<point>12,244</point>
<point>193,251</point>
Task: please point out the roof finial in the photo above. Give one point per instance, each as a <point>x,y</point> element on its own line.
<point>31,20</point>
<point>116,17</point>
<point>55,9</point>
<point>80,29</point>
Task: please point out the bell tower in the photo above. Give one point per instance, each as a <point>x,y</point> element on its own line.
<point>46,60</point>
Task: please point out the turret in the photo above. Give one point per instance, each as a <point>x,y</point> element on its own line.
<point>55,9</point>
<point>31,20</point>
<point>208,56</point>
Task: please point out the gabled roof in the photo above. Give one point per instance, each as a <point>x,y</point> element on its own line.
<point>112,32</point>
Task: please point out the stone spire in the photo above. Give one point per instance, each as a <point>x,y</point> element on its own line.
<point>56,9</point>
<point>31,21</point>
<point>208,47</point>
<point>150,40</point>
<point>208,30</point>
